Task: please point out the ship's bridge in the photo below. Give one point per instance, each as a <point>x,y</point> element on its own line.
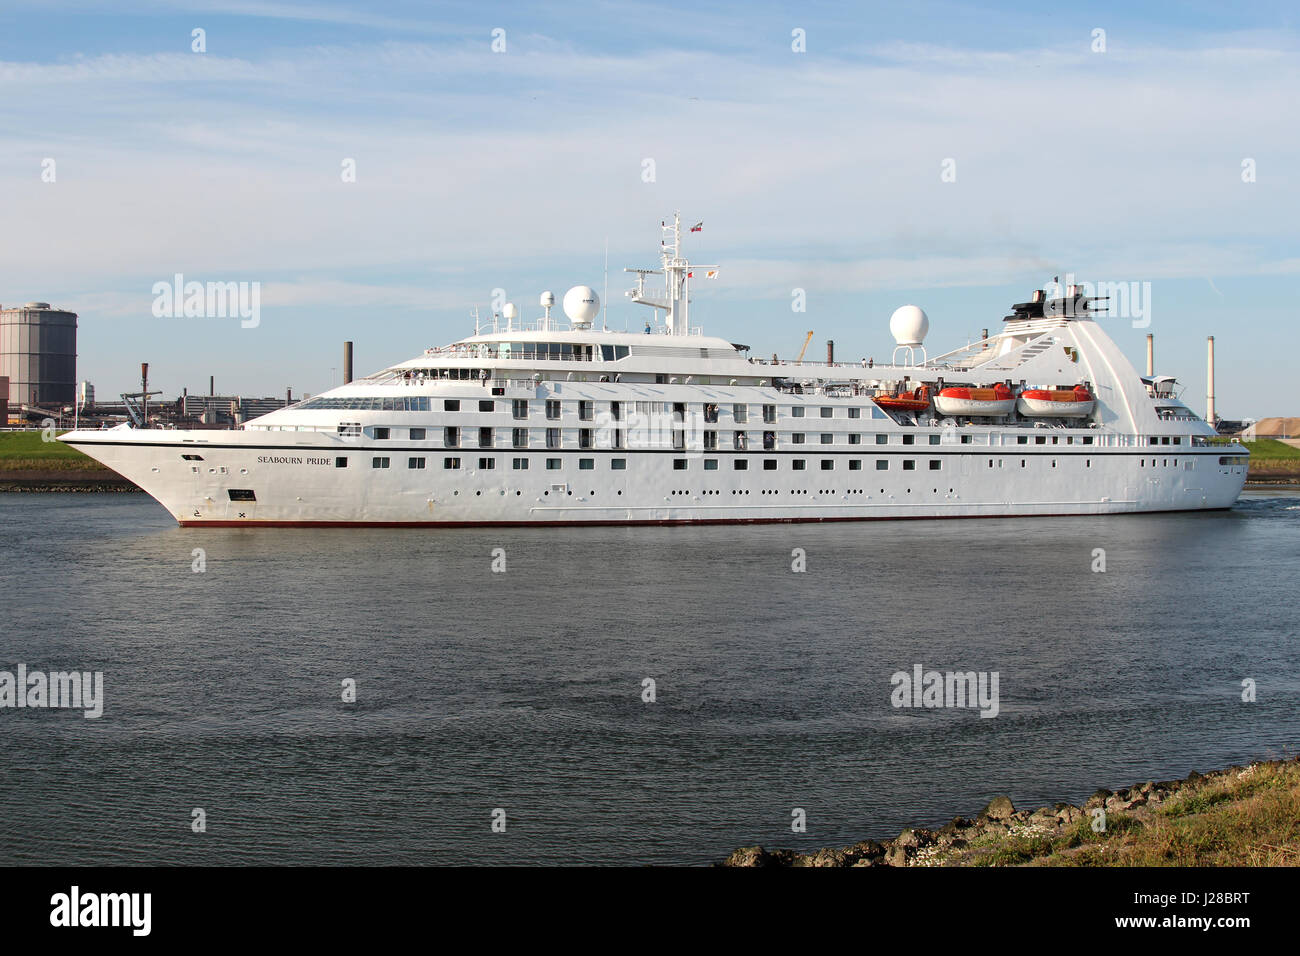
<point>573,346</point>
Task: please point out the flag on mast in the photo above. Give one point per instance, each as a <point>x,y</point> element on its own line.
<point>698,227</point>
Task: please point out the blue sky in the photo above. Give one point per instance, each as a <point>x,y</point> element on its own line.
<point>478,170</point>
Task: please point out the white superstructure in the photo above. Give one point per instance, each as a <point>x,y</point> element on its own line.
<point>568,423</point>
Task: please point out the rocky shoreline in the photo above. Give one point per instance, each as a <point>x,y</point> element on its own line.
<point>1002,835</point>
<point>64,479</point>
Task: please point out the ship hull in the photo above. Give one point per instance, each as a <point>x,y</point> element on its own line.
<point>248,479</point>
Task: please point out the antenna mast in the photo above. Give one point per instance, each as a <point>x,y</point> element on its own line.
<point>677,273</point>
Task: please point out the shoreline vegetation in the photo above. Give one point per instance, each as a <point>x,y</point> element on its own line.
<point>29,463</point>
<point>1241,816</point>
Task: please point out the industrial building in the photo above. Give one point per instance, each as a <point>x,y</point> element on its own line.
<point>38,354</point>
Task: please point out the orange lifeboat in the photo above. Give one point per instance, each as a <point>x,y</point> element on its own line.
<point>1075,402</point>
<point>995,402</point>
<point>917,400</point>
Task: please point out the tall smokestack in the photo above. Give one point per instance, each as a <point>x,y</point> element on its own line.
<point>1209,384</point>
<point>984,334</point>
<point>1151,354</point>
<point>288,397</point>
<point>144,387</point>
<point>212,386</point>
<point>830,351</point>
<point>347,362</point>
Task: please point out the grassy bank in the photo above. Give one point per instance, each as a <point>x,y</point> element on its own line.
<point>27,451</point>
<point>1270,458</point>
<point>1270,449</point>
<point>1242,816</point>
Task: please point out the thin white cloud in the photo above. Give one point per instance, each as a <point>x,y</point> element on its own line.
<point>230,165</point>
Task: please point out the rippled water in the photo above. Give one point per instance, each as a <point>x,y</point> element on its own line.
<point>522,690</point>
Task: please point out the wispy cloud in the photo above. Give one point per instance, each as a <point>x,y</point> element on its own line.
<point>477,170</point>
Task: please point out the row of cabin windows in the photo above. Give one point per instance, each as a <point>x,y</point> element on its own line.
<point>519,438</point>
<point>739,464</point>
<point>801,464</point>
<point>1056,439</point>
<point>586,410</point>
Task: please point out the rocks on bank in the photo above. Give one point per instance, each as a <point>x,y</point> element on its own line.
<point>1002,835</point>
<point>64,479</point>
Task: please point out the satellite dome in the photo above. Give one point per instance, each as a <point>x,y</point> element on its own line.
<point>581,304</point>
<point>509,311</point>
<point>548,299</point>
<point>908,325</point>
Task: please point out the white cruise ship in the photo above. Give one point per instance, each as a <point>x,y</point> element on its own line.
<point>555,422</point>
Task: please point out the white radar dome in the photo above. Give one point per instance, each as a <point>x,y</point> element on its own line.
<point>581,304</point>
<point>509,311</point>
<point>908,325</point>
<point>548,299</point>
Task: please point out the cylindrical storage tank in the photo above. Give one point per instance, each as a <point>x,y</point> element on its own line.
<point>38,353</point>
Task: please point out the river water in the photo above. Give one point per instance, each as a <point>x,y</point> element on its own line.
<point>523,691</point>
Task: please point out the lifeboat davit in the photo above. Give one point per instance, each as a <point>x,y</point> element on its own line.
<point>917,400</point>
<point>995,402</point>
<point>1074,402</point>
